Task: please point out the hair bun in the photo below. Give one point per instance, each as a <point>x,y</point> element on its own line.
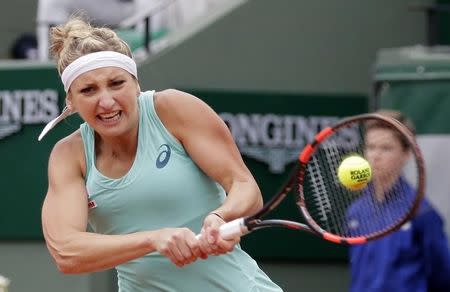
<point>77,38</point>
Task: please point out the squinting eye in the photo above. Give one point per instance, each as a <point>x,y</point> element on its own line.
<point>118,82</point>
<point>86,90</point>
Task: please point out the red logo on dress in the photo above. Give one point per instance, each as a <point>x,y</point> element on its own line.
<point>92,204</point>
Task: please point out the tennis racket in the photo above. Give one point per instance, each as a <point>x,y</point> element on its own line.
<point>331,210</point>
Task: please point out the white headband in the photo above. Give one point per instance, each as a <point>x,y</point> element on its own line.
<point>84,64</point>
<point>94,61</point>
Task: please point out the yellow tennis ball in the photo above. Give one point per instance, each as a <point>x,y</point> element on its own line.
<point>354,172</point>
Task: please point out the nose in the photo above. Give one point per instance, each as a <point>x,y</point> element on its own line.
<point>106,100</point>
<point>372,155</point>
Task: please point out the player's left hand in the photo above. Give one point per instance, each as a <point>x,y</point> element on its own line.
<point>210,241</point>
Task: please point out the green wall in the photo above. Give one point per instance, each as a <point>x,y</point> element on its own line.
<point>287,46</point>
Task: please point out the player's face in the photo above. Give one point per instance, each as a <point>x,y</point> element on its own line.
<point>385,154</point>
<point>106,98</point>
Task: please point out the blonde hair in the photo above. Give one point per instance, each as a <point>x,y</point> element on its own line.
<point>77,38</point>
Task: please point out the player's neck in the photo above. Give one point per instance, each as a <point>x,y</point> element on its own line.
<point>117,147</point>
<point>382,187</point>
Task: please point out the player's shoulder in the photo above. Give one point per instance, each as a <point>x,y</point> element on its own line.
<point>425,206</point>
<point>177,103</point>
<point>427,212</point>
<point>172,97</point>
<point>69,147</point>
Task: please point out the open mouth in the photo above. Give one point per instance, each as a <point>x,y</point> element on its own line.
<point>110,117</point>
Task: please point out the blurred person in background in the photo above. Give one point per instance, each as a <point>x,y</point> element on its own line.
<point>24,47</point>
<point>414,258</point>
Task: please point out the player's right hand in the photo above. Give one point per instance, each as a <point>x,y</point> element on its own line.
<point>210,240</point>
<point>178,244</point>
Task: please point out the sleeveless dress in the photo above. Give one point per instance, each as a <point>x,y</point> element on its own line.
<point>164,188</point>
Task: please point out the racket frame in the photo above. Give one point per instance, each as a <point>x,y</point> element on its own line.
<point>242,226</point>
<point>309,150</point>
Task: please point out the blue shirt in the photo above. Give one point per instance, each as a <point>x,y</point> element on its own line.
<point>413,259</point>
<point>369,215</point>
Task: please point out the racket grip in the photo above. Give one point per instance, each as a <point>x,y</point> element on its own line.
<point>232,229</point>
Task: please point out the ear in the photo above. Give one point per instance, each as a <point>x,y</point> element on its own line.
<point>138,89</point>
<point>405,157</point>
<point>69,104</point>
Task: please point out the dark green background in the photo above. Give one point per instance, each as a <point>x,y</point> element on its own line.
<point>24,160</point>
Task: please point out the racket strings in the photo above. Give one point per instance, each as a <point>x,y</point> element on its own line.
<point>388,208</point>
<point>319,199</point>
<point>330,153</point>
<point>372,210</point>
<point>322,203</point>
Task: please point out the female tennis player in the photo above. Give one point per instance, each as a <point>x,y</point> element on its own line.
<point>146,171</point>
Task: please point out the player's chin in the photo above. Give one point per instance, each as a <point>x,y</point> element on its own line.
<point>111,132</point>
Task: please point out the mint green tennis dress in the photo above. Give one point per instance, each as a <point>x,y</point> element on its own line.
<point>164,188</point>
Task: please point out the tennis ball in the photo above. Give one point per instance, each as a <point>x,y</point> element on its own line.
<point>354,172</point>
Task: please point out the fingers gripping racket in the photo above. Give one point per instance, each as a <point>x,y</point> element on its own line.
<point>330,209</point>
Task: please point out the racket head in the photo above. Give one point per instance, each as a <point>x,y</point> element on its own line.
<point>381,206</point>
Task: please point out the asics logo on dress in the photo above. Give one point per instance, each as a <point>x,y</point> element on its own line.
<point>164,156</point>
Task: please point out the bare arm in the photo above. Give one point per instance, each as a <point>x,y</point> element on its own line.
<point>64,222</point>
<point>210,144</point>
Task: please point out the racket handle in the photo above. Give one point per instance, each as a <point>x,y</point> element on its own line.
<point>232,229</point>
